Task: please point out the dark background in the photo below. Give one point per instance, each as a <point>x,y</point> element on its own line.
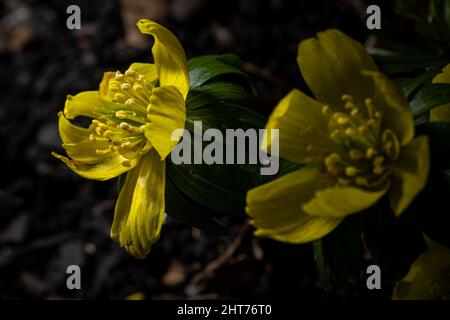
<point>50,218</point>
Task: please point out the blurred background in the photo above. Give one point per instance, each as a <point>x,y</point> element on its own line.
<point>50,218</point>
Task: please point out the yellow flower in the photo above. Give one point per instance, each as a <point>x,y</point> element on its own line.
<point>428,278</point>
<point>357,137</point>
<point>442,113</point>
<point>133,117</point>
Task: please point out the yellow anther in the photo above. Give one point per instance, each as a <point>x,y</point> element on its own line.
<point>326,111</point>
<point>347,97</point>
<point>355,113</point>
<point>124,126</point>
<point>126,163</point>
<point>378,161</point>
<point>126,145</point>
<point>363,130</point>
<point>332,159</point>
<point>99,131</point>
<point>370,153</point>
<point>349,105</point>
<point>140,77</point>
<point>119,97</point>
<point>95,122</point>
<point>362,181</point>
<point>350,131</point>
<point>130,73</point>
<point>334,134</point>
<point>129,102</point>
<point>108,134</point>
<point>342,120</point>
<point>125,86</point>
<point>351,171</point>
<point>118,75</point>
<point>142,129</point>
<point>113,148</point>
<point>138,87</point>
<point>378,170</point>
<point>92,137</point>
<point>355,154</point>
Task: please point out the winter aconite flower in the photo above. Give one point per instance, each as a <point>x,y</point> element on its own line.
<point>357,138</point>
<point>428,278</point>
<point>442,113</point>
<point>133,116</point>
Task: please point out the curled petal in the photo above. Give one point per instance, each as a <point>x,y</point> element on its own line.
<point>409,174</point>
<point>139,212</point>
<point>169,56</point>
<point>275,209</point>
<point>86,104</point>
<point>103,168</point>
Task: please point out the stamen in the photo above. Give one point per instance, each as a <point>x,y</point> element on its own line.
<point>130,73</point>
<point>351,171</point>
<point>126,163</point>
<point>326,111</point>
<point>355,154</point>
<point>370,153</point>
<point>125,86</point>
<point>347,97</point>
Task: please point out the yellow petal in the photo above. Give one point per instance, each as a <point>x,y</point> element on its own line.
<point>169,56</point>
<point>331,66</point>
<point>428,278</point>
<point>338,202</point>
<point>409,174</point>
<point>105,168</point>
<point>275,209</point>
<point>86,104</point>
<point>295,113</point>
<point>148,70</point>
<point>442,113</point>
<point>69,132</point>
<point>167,112</point>
<point>139,212</point>
<point>397,115</point>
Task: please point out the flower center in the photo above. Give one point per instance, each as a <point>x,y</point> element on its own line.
<point>358,150</point>
<point>127,97</point>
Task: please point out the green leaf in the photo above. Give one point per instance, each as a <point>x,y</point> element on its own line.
<point>220,91</point>
<point>345,265</point>
<point>220,187</point>
<point>321,266</point>
<point>410,86</point>
<point>205,68</point>
<point>186,211</point>
<point>429,97</point>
